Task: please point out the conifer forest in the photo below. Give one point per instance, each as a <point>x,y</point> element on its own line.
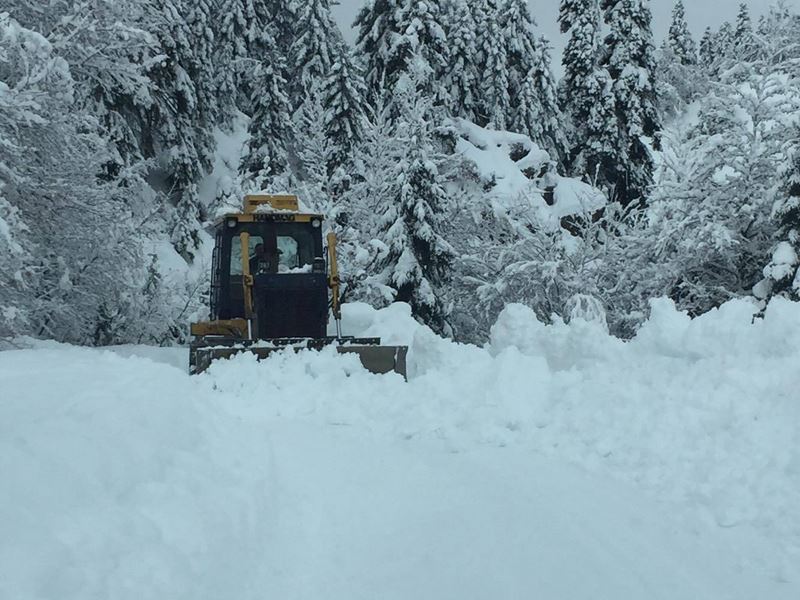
<point>459,173</point>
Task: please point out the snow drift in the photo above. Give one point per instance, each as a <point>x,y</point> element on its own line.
<point>557,461</point>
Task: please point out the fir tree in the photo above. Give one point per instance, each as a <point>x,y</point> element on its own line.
<point>629,58</point>
<point>270,127</point>
<point>724,40</point>
<point>708,48</point>
<point>233,24</point>
<point>531,84</point>
<point>281,18</point>
<point>392,35</point>
<point>743,37</point>
<point>460,80</point>
<point>520,42</point>
<point>744,25</point>
<point>343,96</point>
<point>679,39</point>
<point>537,113</point>
<point>581,19</point>
<point>415,263</point>
<point>586,92</point>
<point>317,47</point>
<point>202,60</point>
<point>179,122</point>
<point>494,104</point>
<point>782,275</point>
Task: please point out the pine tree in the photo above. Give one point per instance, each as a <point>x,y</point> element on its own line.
<point>180,121</point>
<point>460,80</point>
<point>494,104</point>
<point>782,274</point>
<point>679,38</point>
<point>708,49</point>
<point>415,263</point>
<point>530,81</point>
<point>270,127</point>
<point>343,96</point>
<point>202,61</point>
<point>586,92</point>
<point>281,18</point>
<point>537,113</point>
<point>317,47</point>
<point>313,148</point>
<point>724,41</point>
<point>521,43</point>
<point>744,25</point>
<point>743,35</point>
<point>629,58</point>
<point>392,35</point>
<point>233,24</point>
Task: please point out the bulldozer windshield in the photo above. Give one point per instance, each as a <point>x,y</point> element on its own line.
<point>284,248</point>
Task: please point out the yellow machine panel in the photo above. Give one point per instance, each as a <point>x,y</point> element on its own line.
<point>278,202</point>
<point>236,328</point>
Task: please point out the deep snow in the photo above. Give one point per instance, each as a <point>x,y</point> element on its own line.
<point>556,462</point>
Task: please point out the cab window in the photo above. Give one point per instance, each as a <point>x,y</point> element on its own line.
<point>236,252</point>
<point>295,248</point>
<point>288,254</point>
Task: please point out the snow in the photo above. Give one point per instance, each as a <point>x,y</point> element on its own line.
<point>493,152</point>
<point>555,462</point>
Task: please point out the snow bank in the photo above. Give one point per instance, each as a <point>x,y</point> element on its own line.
<point>556,461</point>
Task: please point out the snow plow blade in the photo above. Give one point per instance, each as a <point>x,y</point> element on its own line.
<point>374,357</point>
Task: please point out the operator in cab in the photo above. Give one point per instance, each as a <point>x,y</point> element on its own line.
<point>263,261</point>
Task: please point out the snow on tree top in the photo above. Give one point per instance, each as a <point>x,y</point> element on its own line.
<point>521,174</point>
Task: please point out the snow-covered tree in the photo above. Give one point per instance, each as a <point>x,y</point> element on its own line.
<point>280,17</point>
<point>781,275</point>
<point>586,92</point>
<point>461,81</point>
<point>710,210</point>
<point>200,59</point>
<point>629,58</point>
<point>724,40</point>
<point>743,30</point>
<point>316,48</point>
<point>679,78</point>
<point>343,97</point>
<point>493,104</point>
<point>313,150</point>
<point>233,23</point>
<point>66,228</point>
<point>416,257</point>
<point>533,102</point>
<point>679,38</point>
<point>521,43</point>
<point>270,126</point>
<point>392,35</point>
<point>708,48</point>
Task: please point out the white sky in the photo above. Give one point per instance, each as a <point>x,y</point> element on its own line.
<point>699,13</point>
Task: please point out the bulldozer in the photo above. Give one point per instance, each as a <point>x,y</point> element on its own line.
<point>274,286</point>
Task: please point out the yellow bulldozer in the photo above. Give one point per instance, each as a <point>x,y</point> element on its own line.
<point>274,286</point>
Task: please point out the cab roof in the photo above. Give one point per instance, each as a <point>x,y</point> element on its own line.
<point>271,208</point>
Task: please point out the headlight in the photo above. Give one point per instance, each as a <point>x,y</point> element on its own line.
<point>315,223</point>
<point>231,222</point>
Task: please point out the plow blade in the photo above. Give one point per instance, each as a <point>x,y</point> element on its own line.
<point>375,359</point>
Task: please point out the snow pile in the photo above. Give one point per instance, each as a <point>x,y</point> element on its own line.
<point>520,172</point>
<point>556,461</point>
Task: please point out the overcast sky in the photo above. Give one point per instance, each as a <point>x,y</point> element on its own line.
<point>699,13</point>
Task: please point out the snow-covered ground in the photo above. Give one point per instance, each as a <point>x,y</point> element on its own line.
<point>556,462</point>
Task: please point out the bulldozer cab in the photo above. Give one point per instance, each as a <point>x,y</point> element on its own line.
<point>286,261</point>
<point>272,287</point>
